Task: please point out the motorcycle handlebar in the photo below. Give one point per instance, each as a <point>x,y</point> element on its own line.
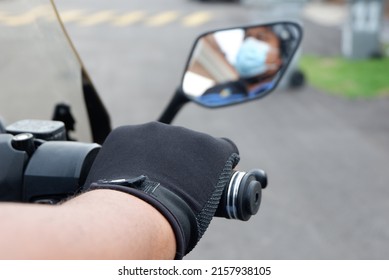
<point>65,165</point>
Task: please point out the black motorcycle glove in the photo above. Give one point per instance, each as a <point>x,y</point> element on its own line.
<point>182,173</point>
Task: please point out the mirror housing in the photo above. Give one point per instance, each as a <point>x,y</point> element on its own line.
<point>236,65</point>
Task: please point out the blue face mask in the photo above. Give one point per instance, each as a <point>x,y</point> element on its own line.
<point>251,58</point>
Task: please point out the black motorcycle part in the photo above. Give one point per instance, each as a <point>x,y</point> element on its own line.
<point>56,170</point>
<point>12,163</point>
<point>41,129</point>
<point>176,103</point>
<point>99,120</point>
<point>63,113</point>
<point>24,142</point>
<point>2,128</point>
<point>242,198</point>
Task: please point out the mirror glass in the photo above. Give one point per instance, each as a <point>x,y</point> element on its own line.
<point>236,65</point>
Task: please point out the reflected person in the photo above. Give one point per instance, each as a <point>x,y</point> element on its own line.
<point>258,60</point>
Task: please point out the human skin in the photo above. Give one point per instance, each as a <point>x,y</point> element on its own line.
<point>100,224</point>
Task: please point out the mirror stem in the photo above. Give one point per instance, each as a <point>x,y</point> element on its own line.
<point>179,99</point>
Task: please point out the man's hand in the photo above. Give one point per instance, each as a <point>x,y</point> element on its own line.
<point>180,172</point>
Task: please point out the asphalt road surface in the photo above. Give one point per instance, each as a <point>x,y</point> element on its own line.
<point>327,158</point>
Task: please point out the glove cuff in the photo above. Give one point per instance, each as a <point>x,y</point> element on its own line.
<point>172,207</point>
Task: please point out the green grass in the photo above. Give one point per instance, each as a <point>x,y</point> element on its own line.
<point>349,78</point>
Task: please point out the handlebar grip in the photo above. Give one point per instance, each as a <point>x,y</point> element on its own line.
<point>242,197</point>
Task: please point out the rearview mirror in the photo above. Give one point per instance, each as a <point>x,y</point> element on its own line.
<point>236,65</point>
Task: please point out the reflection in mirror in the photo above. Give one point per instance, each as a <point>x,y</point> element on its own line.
<point>236,65</point>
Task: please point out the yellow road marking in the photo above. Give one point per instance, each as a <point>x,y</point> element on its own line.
<point>71,15</point>
<point>163,18</point>
<point>82,18</point>
<point>129,18</point>
<point>97,18</point>
<point>196,19</point>
<point>28,17</point>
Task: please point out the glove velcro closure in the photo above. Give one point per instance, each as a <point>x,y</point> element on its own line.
<point>172,207</point>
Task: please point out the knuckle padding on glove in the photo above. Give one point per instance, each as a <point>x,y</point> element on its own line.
<point>185,173</point>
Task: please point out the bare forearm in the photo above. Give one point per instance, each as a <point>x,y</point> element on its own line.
<point>100,224</point>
